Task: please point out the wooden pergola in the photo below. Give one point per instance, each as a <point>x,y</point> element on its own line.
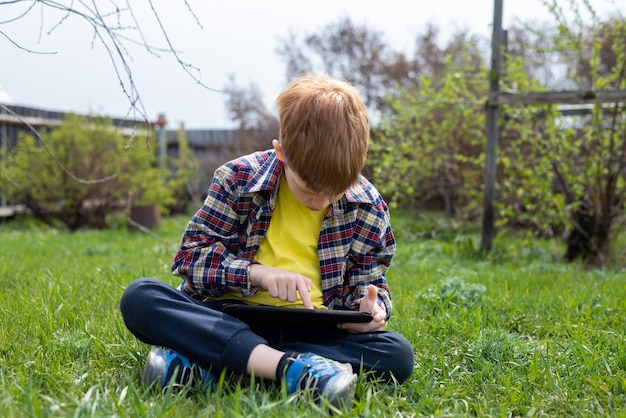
<point>498,98</point>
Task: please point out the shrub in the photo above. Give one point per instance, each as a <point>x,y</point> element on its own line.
<point>430,149</point>
<point>82,171</point>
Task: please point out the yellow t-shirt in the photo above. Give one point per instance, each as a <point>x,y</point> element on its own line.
<point>290,243</point>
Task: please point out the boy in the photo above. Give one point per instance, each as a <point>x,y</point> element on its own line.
<point>296,226</point>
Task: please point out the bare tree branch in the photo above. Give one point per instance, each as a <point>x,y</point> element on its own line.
<point>109,23</point>
<point>23,48</point>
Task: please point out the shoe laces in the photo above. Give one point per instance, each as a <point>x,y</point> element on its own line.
<point>316,368</point>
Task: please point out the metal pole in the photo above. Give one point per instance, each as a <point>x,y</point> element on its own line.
<point>4,150</point>
<point>161,138</point>
<point>493,115</point>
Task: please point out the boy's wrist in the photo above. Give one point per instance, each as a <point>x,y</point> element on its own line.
<point>249,272</point>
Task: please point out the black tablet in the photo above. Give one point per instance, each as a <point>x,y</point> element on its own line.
<point>293,316</point>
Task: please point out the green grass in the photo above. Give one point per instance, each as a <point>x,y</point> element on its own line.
<point>516,332</point>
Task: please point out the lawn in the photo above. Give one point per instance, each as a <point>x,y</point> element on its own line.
<point>516,332</point>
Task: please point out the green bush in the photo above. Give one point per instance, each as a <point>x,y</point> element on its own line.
<point>430,150</point>
<point>565,175</point>
<point>184,175</point>
<point>81,172</point>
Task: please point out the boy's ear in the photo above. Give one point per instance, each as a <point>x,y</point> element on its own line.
<point>278,149</point>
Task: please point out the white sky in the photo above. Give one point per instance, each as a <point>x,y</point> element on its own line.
<point>237,37</point>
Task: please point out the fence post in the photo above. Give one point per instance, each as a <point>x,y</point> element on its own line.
<point>493,115</point>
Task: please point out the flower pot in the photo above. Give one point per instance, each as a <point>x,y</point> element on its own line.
<point>146,216</point>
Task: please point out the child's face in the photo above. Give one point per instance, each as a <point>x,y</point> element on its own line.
<point>305,195</point>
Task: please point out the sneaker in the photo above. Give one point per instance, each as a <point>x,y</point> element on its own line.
<point>165,367</point>
<point>323,378</point>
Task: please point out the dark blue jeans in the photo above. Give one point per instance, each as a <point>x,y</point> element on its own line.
<point>158,314</point>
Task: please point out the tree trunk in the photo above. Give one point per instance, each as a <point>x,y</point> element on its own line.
<point>589,238</point>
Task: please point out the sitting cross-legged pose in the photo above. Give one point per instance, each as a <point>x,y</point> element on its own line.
<point>296,226</point>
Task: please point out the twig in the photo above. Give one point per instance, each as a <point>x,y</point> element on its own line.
<point>144,229</point>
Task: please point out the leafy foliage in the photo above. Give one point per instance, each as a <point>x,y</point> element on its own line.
<point>566,175</point>
<point>82,171</point>
<point>183,175</point>
<point>526,179</point>
<point>430,148</point>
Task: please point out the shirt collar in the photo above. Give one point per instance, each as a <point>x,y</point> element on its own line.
<point>355,194</point>
<point>268,174</point>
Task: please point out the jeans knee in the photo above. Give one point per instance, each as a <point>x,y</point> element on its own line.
<point>135,298</point>
<point>403,359</point>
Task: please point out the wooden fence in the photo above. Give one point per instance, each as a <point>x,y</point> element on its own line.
<point>498,98</point>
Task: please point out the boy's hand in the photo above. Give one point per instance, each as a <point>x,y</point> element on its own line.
<point>369,303</point>
<point>281,284</point>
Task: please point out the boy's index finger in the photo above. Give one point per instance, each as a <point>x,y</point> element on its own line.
<point>303,289</point>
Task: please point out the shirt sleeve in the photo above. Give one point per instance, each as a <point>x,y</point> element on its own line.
<point>374,247</point>
<point>207,258</point>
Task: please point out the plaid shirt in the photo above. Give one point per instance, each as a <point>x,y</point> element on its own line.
<point>355,245</point>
